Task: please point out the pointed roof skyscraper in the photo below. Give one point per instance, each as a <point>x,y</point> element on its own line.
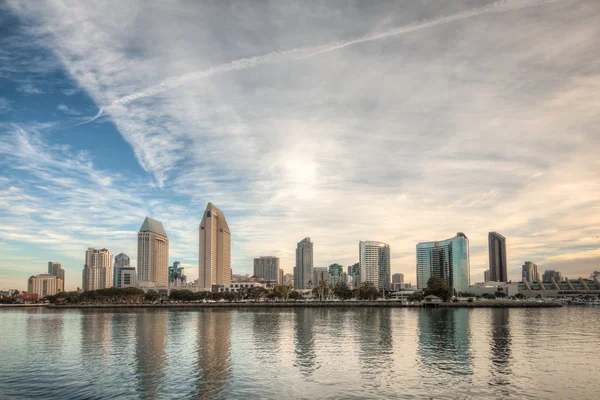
<point>214,264</point>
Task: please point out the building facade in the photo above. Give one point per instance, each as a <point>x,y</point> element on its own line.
<point>55,268</point>
<point>125,277</point>
<point>375,264</point>
<point>153,253</point>
<point>529,272</point>
<point>267,268</point>
<point>336,272</point>
<point>214,265</point>
<point>97,270</point>
<point>43,285</point>
<point>497,253</point>
<point>447,259</point>
<point>121,261</point>
<point>303,271</point>
<point>550,274</point>
<point>319,274</point>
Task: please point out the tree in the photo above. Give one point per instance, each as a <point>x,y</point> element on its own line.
<point>151,296</point>
<point>438,287</point>
<point>367,291</point>
<point>282,291</point>
<point>416,296</point>
<point>295,295</point>
<point>342,291</point>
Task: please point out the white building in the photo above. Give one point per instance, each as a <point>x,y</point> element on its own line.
<point>125,277</point>
<point>43,285</point>
<point>153,253</point>
<point>375,263</point>
<point>98,269</point>
<point>236,286</point>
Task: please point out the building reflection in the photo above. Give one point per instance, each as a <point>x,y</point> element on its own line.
<point>96,328</point>
<point>500,347</point>
<point>444,340</point>
<point>265,331</point>
<point>150,352</point>
<point>376,346</point>
<point>214,353</point>
<point>304,341</point>
<point>48,326</point>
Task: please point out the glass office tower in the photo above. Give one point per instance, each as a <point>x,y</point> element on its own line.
<point>447,259</point>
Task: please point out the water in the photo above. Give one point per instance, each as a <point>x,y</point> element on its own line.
<point>301,353</point>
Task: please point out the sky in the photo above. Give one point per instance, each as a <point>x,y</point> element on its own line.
<point>394,121</point>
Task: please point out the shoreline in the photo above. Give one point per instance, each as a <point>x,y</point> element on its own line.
<point>330,304</point>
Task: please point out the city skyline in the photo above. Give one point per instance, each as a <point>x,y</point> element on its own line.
<point>399,123</point>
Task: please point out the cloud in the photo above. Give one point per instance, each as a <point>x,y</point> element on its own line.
<point>65,109</point>
<point>29,88</point>
<point>463,126</point>
<point>4,105</point>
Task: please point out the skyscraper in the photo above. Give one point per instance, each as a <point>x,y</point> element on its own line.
<point>121,261</point>
<point>529,272</point>
<point>153,253</point>
<point>497,252</point>
<point>447,259</point>
<point>398,278</point>
<point>267,268</point>
<point>375,263</point>
<point>98,269</point>
<point>319,274</point>
<point>55,268</point>
<point>214,266</point>
<point>303,270</point>
<point>177,276</point>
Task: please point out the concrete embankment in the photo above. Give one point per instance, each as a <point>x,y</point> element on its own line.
<point>315,304</point>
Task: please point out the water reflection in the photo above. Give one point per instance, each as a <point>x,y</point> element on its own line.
<point>265,333</point>
<point>500,347</point>
<point>150,354</point>
<point>304,341</point>
<point>444,340</point>
<point>214,353</point>
<point>96,340</point>
<point>376,346</point>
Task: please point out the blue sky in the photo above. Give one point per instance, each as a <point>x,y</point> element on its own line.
<point>391,121</point>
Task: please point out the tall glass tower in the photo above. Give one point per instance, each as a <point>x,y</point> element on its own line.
<point>497,250</point>
<point>447,259</point>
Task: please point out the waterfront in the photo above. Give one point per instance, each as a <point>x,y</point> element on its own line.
<point>300,353</point>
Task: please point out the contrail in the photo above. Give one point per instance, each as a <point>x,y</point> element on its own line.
<point>307,52</point>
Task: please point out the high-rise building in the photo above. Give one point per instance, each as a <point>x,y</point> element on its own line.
<point>303,271</point>
<point>177,276</point>
<point>447,259</point>
<point>121,261</point>
<point>398,278</point>
<point>43,285</point>
<point>214,266</point>
<point>550,273</point>
<point>280,277</point>
<point>319,274</point>
<point>55,268</point>
<point>335,273</point>
<point>497,253</point>
<point>267,268</point>
<point>355,274</point>
<point>529,272</point>
<point>153,253</point>
<point>486,275</point>
<point>97,270</point>
<point>375,263</point>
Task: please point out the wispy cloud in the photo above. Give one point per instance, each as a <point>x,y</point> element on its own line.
<point>29,88</point>
<point>65,109</point>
